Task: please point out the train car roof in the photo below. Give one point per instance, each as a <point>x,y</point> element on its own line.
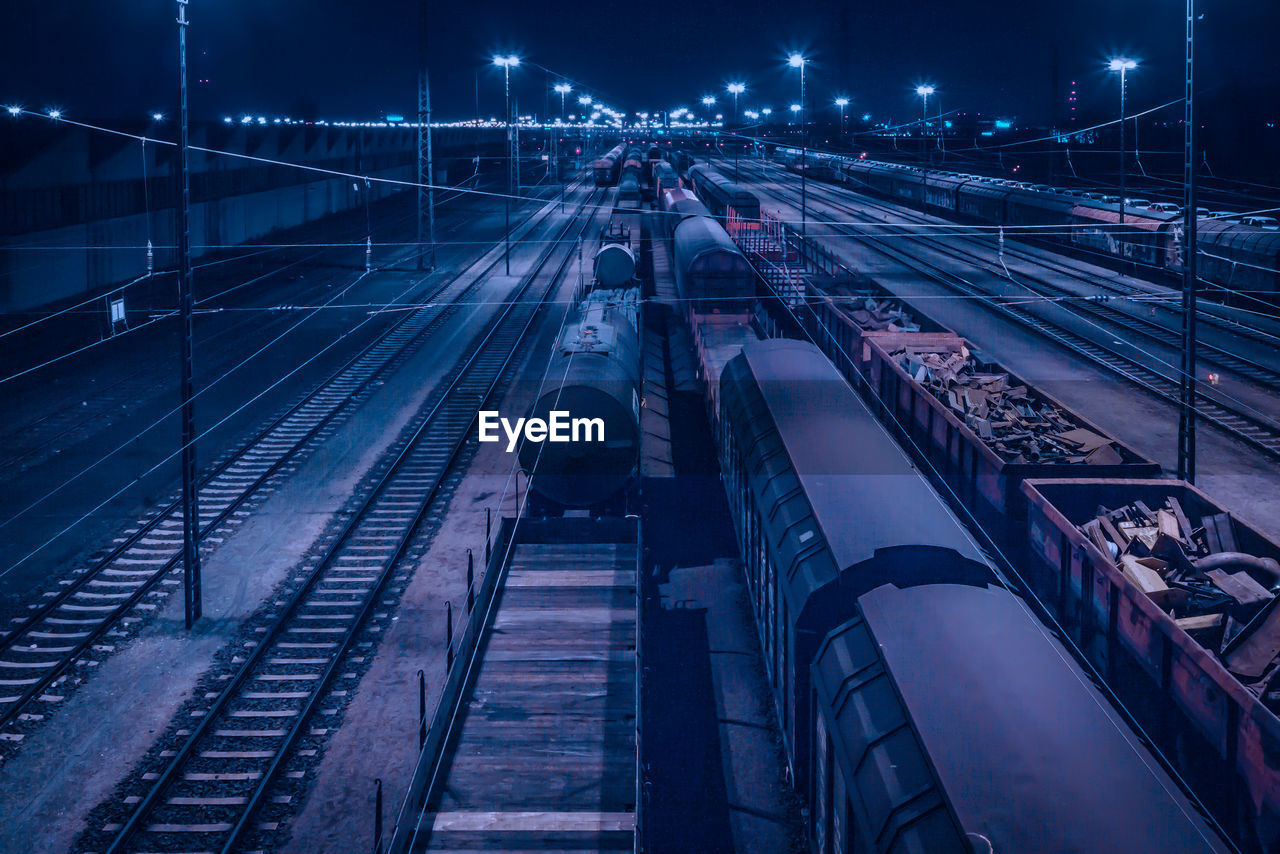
<point>943,180</point>
<point>696,236</point>
<point>1022,746</point>
<point>1250,241</point>
<point>682,204</point>
<point>843,458</point>
<point>990,191</point>
<point>1138,218</point>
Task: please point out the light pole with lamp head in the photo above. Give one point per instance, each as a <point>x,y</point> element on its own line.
<point>736,89</point>
<point>924,91</point>
<point>842,102</point>
<point>563,89</point>
<point>506,63</point>
<point>1122,64</point>
<point>797,60</point>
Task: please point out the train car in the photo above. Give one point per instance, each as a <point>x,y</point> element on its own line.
<point>632,173</point>
<point>594,375</point>
<point>1154,239</point>
<point>682,161</point>
<point>1147,237</point>
<point>922,705</point>
<point>736,206</point>
<point>614,265</point>
<point>941,191</point>
<point>982,201</point>
<point>604,171</point>
<point>712,275</point>
<point>1239,257</point>
<point>664,178</point>
<point>678,205</point>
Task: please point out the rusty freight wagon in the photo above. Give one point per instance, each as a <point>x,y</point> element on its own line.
<point>1193,654</point>
<point>984,428</point>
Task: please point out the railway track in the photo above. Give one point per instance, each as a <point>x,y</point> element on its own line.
<point>29,442</point>
<point>96,606</point>
<point>1205,315</point>
<point>204,791</point>
<point>1255,432</point>
<point>1261,375</point>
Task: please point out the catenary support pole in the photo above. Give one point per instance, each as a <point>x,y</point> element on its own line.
<point>426,168</point>
<point>192,598</point>
<point>1187,412</point>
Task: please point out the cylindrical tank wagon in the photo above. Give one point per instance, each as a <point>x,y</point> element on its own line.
<point>594,380</point>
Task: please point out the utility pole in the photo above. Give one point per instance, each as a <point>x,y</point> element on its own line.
<point>1187,412</point>
<point>192,599</point>
<point>506,63</point>
<point>426,168</point>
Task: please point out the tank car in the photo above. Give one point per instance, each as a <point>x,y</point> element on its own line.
<point>595,374</point>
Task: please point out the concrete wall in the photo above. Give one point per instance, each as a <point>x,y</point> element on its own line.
<point>75,210</point>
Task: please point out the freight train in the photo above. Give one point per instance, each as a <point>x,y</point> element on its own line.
<point>605,169</point>
<point>922,705</point>
<point>665,178</point>
<point>632,174</point>
<point>1233,255</point>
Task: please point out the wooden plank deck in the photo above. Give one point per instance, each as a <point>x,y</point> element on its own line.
<point>545,755</point>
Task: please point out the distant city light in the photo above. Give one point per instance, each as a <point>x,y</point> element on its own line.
<point>392,117</point>
<point>1004,124</point>
<point>866,117</point>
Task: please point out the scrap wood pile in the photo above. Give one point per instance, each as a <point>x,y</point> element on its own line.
<point>1020,428</point>
<point>1200,577</point>
<point>873,313</point>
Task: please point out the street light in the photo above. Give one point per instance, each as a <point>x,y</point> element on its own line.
<point>735,89</point>
<point>797,60</point>
<point>564,89</point>
<point>708,101</point>
<point>842,102</point>
<point>1122,64</point>
<point>506,63</point>
<point>924,91</point>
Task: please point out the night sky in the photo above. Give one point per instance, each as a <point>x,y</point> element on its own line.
<point>340,59</point>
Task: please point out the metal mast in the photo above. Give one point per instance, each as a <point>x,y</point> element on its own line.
<point>1187,412</point>
<point>426,170</point>
<point>190,508</point>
